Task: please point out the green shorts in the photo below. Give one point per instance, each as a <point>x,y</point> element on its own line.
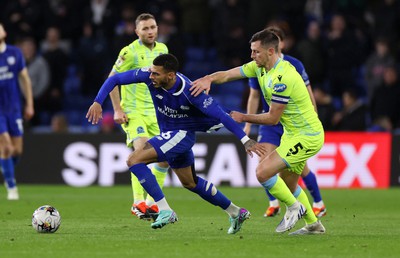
<point>140,126</point>
<point>296,150</point>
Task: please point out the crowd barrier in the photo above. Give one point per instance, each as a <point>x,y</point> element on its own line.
<point>347,160</point>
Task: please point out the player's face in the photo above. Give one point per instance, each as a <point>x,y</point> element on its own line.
<point>259,54</point>
<point>159,77</point>
<point>147,31</point>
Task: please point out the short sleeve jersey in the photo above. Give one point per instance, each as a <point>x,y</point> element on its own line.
<point>11,64</point>
<point>283,84</point>
<point>137,99</point>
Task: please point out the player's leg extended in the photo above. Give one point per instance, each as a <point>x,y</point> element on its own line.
<point>310,181</point>
<point>211,194</point>
<point>267,175</point>
<point>160,171</point>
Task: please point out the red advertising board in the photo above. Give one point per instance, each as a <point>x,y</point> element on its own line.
<point>353,160</point>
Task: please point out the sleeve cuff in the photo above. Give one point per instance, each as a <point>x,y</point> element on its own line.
<point>244,139</point>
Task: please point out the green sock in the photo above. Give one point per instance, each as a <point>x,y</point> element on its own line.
<point>277,187</point>
<point>310,217</point>
<point>137,189</point>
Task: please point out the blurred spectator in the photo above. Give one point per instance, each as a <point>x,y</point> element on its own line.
<point>125,28</point>
<point>342,56</point>
<point>385,100</point>
<point>375,65</point>
<point>39,73</point>
<point>381,124</point>
<point>311,52</point>
<point>385,19</point>
<point>93,60</point>
<point>59,123</point>
<point>107,124</point>
<point>325,107</point>
<point>168,34</point>
<point>58,62</point>
<point>354,115</point>
<point>102,15</point>
<point>230,19</point>
<point>196,25</point>
<point>23,18</point>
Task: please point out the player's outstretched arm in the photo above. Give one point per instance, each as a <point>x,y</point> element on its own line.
<point>204,83</point>
<point>119,116</point>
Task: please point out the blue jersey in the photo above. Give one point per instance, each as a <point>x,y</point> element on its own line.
<point>11,64</point>
<point>176,108</point>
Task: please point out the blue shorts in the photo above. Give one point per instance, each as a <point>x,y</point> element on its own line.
<point>270,134</point>
<point>175,147</point>
<point>11,123</point>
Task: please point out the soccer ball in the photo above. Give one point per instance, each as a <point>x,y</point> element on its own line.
<point>46,219</point>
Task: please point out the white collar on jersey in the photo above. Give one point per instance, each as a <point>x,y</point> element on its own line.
<point>182,88</point>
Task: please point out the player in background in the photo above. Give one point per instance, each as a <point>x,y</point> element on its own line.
<point>289,103</point>
<point>179,116</point>
<point>134,109</point>
<point>270,135</point>
<point>14,79</point>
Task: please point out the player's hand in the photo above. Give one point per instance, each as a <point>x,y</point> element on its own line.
<point>247,128</point>
<point>252,146</point>
<point>200,85</point>
<point>95,113</point>
<point>120,117</point>
<point>237,116</point>
<point>29,112</point>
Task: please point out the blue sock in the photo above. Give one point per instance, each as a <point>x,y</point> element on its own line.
<point>147,180</point>
<point>208,192</point>
<point>311,182</point>
<point>8,172</point>
<point>270,196</point>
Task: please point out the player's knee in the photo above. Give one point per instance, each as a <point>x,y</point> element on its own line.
<point>261,174</point>
<point>132,160</point>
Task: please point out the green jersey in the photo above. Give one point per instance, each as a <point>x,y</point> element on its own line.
<point>135,98</point>
<point>283,84</point>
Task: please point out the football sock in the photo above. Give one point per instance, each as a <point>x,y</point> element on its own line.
<point>160,173</point>
<point>137,190</point>
<point>8,172</point>
<point>147,180</point>
<point>270,196</point>
<point>163,205</point>
<point>309,217</point>
<point>277,187</point>
<point>311,182</point>
<point>233,210</point>
<point>208,192</point>
<point>318,204</point>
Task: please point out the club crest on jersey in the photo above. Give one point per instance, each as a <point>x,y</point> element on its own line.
<point>207,102</point>
<point>279,87</point>
<point>139,130</point>
<point>11,60</point>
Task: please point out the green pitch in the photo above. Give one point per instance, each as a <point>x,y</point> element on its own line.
<point>96,222</point>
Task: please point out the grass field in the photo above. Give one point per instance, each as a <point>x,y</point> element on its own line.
<point>96,222</point>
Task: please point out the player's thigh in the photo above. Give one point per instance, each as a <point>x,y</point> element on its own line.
<point>269,167</point>
<point>269,148</point>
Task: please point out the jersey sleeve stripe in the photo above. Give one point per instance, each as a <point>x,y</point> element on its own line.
<point>280,99</point>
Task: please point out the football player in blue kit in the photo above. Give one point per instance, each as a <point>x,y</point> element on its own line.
<point>179,115</point>
<point>14,80</point>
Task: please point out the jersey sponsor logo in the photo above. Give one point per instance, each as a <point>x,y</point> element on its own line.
<point>279,87</point>
<point>11,60</point>
<point>140,129</point>
<point>207,102</point>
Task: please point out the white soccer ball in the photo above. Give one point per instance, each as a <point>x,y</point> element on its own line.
<point>46,219</point>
